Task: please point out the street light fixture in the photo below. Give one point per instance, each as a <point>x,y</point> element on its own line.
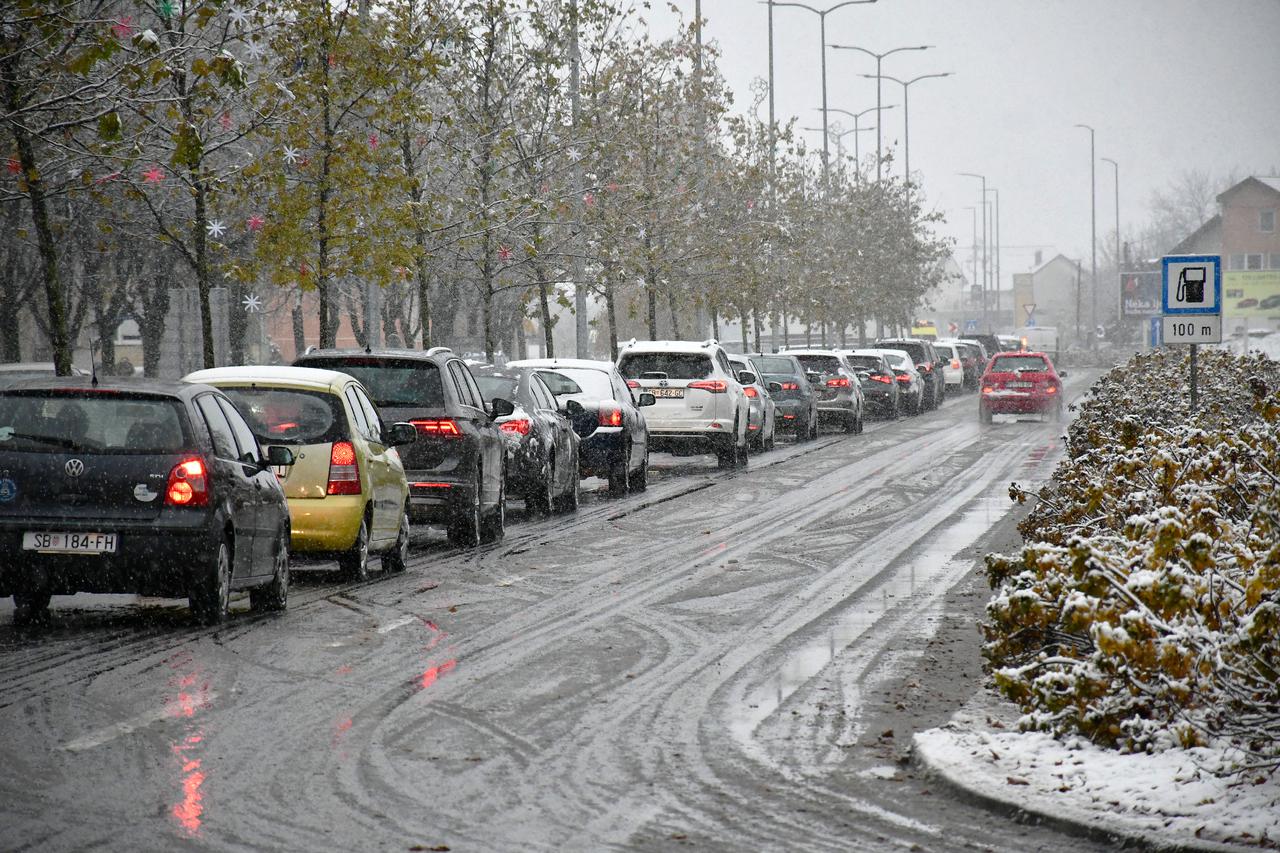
<point>822,20</point>
<point>879,57</point>
<point>982,178</point>
<point>1093,228</point>
<point>856,116</point>
<point>839,135</point>
<point>906,117</point>
<point>1116,167</point>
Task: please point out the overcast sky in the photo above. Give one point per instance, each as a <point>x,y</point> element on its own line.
<point>1168,85</point>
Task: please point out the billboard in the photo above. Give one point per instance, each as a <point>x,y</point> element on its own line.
<point>1250,294</point>
<point>1140,294</point>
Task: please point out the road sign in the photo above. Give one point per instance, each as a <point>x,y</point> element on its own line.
<point>1191,284</point>
<point>971,325</point>
<point>1192,329</point>
<point>1030,308</point>
<point>1140,294</point>
<point>1153,333</point>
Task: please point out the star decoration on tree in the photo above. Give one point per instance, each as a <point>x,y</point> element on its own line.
<point>254,50</point>
<point>240,18</point>
<point>255,223</point>
<point>589,199</point>
<point>13,166</point>
<point>374,141</point>
<point>166,9</point>
<point>504,253</point>
<point>252,303</point>
<point>291,155</point>
<point>613,186</point>
<point>215,228</point>
<point>123,28</point>
<point>154,175</point>
<point>225,120</point>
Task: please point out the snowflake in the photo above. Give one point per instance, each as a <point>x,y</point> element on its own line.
<point>374,141</point>
<point>123,28</point>
<point>154,175</point>
<point>291,155</point>
<point>240,18</point>
<point>254,50</point>
<point>573,153</point>
<point>613,186</point>
<point>751,204</point>
<point>14,166</point>
<point>504,253</point>
<point>252,303</point>
<point>215,228</point>
<point>225,121</point>
<point>589,199</point>
<point>255,223</point>
<point>166,9</point>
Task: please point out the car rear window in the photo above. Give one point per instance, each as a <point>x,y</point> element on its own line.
<point>100,422</point>
<point>676,365</point>
<point>492,387</point>
<point>290,416</point>
<point>866,362</point>
<point>819,363</point>
<point>914,350</point>
<point>776,366</point>
<point>391,382</point>
<point>1014,363</point>
<point>896,360</point>
<point>591,384</point>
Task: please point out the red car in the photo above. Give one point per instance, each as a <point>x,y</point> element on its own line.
<point>1020,383</point>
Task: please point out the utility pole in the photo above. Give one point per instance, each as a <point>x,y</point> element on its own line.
<point>985,321</point>
<point>1093,230</point>
<point>582,330</point>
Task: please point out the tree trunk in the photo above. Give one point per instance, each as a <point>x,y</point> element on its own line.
<point>673,309</point>
<point>155,308</point>
<point>745,326</point>
<point>755,321</point>
<point>611,313</point>
<point>299,326</point>
<point>202,269</point>
<point>544,307</point>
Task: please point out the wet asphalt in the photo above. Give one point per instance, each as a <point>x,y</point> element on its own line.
<point>727,661</point>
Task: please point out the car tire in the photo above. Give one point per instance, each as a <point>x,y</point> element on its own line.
<point>813,427</point>
<point>464,528</point>
<point>210,596</point>
<point>354,562</point>
<point>30,607</point>
<point>494,524</point>
<point>568,502</point>
<point>850,423</point>
<point>396,560</point>
<point>274,597</point>
<point>640,477</point>
<point>860,424</point>
<point>620,474</point>
<point>540,495</point>
<point>772,442</point>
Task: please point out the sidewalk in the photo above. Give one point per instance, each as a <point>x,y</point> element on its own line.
<point>1166,801</point>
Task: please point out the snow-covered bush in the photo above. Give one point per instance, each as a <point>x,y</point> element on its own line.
<point>1144,609</point>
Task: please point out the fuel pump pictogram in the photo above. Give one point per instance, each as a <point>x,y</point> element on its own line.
<point>1191,284</point>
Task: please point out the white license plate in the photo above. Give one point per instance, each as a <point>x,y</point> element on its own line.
<point>1020,385</point>
<point>70,543</point>
<point>675,393</point>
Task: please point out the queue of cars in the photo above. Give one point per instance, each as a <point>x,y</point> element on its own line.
<point>200,487</point>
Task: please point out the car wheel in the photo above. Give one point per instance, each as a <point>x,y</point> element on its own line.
<point>813,427</point>
<point>464,529</point>
<point>861,423</point>
<point>620,474</point>
<point>850,423</point>
<point>772,442</point>
<point>30,607</point>
<point>540,495</point>
<point>354,562</point>
<point>397,559</point>
<point>568,502</point>
<point>494,525</point>
<point>210,596</point>
<point>640,477</point>
<point>274,596</point>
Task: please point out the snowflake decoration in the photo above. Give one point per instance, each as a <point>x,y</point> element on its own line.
<point>225,120</point>
<point>545,188</point>
<point>751,204</point>
<point>254,50</point>
<point>215,228</point>
<point>304,270</point>
<point>166,9</point>
<point>13,166</point>
<point>613,186</point>
<point>255,223</point>
<point>374,142</point>
<point>154,175</point>
<point>504,253</point>
<point>240,18</point>
<point>252,303</point>
<point>589,199</point>
<point>573,153</point>
<point>123,28</point>
<point>291,155</point>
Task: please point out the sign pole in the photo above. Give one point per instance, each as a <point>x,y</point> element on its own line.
<point>1194,400</point>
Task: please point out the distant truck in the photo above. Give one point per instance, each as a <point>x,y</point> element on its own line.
<point>1041,339</point>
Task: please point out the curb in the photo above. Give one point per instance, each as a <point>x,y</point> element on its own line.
<point>1062,821</point>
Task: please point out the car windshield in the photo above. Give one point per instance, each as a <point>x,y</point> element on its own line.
<point>826,364</point>
<point>774,366</point>
<point>493,387</point>
<point>290,416</point>
<point>108,422</point>
<point>1015,363</point>
<point>675,365</point>
<point>589,384</point>
<point>391,382</point>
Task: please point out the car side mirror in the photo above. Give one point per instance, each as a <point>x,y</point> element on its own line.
<point>646,399</point>
<point>279,456</point>
<point>775,387</point>
<point>400,434</point>
<point>572,407</point>
<point>746,377</point>
<point>1062,374</point>
<point>500,408</point>
<point>813,376</point>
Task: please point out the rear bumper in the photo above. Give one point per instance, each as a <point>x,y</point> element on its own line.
<point>598,452</point>
<point>707,436</point>
<point>325,525</point>
<point>156,559</point>
<point>1014,403</point>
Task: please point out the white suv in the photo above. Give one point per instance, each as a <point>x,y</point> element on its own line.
<point>700,408</point>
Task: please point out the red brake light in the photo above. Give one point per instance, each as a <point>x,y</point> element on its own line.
<point>610,415</point>
<point>519,426</point>
<point>715,386</point>
<point>878,378</point>
<point>750,391</point>
<point>1052,389</point>
<point>790,386</point>
<point>904,377</point>
<point>188,484</point>
<point>955,364</point>
<point>633,383</point>
<point>442,427</point>
<point>344,472</point>
<point>838,382</point>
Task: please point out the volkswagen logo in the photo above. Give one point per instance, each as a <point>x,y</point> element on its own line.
<point>74,467</point>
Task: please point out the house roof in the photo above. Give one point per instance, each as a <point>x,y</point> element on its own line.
<point>1267,182</point>
<point>1053,260</point>
<point>1186,243</point>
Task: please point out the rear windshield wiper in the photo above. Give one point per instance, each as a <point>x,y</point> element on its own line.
<point>55,440</point>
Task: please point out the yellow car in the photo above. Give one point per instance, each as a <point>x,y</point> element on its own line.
<point>347,492</point>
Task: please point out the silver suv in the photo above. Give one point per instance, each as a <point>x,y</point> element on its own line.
<point>700,406</point>
<point>840,397</point>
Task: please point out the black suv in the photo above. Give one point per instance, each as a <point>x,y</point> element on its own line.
<point>928,362</point>
<point>457,467</point>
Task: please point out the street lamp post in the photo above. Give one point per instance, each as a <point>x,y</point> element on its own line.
<point>982,178</point>
<point>839,135</point>
<point>856,129</point>
<point>906,118</point>
<point>822,27</point>
<point>1116,168</point>
<point>879,57</point>
<point>995,236</point>
<point>1093,228</point>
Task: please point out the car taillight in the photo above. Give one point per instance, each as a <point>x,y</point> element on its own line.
<point>904,377</point>
<point>1052,389</point>
<point>188,484</point>
<point>987,389</point>
<point>344,472</point>
<point>790,386</point>
<point>955,364</point>
<point>838,382</point>
<point>519,426</point>
<point>715,386</point>
<point>610,416</point>
<point>885,379</point>
<point>750,391</point>
<point>633,383</point>
<point>441,427</point>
